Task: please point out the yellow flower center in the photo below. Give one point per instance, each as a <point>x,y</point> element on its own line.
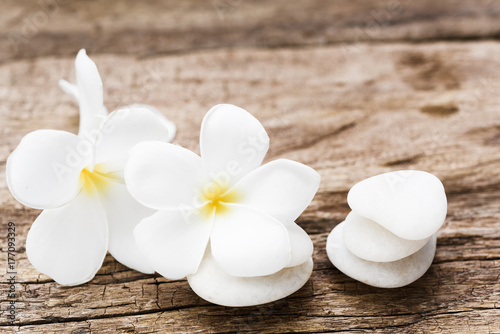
<point>216,197</point>
<point>96,181</point>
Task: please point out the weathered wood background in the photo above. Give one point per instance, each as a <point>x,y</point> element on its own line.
<point>351,88</point>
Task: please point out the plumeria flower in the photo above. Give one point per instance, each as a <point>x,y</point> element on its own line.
<point>78,182</point>
<point>223,220</point>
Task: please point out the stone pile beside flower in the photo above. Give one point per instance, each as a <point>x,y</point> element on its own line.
<point>389,238</point>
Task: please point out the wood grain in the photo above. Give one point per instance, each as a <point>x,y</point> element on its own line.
<point>147,28</point>
<point>349,111</point>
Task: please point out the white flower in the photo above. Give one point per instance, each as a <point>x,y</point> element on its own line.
<point>78,182</point>
<point>225,199</point>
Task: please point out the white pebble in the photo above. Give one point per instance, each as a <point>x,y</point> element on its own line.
<point>379,274</point>
<point>214,285</point>
<point>410,204</point>
<point>370,241</point>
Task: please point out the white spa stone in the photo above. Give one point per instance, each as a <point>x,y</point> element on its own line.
<point>379,274</point>
<point>370,241</point>
<point>410,204</point>
<point>214,285</point>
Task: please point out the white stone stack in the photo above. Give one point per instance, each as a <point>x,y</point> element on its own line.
<point>389,238</point>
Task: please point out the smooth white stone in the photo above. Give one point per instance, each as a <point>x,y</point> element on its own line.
<point>410,204</point>
<point>216,286</point>
<point>379,274</point>
<point>370,241</point>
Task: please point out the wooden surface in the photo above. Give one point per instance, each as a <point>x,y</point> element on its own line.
<point>420,92</point>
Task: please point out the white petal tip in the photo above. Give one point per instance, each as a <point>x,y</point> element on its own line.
<point>171,128</point>
<point>68,88</point>
<point>81,54</point>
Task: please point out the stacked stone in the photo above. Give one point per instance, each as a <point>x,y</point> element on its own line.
<point>389,238</point>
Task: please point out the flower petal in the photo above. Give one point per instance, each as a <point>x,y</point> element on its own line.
<point>248,243</point>
<point>173,242</point>
<point>300,242</point>
<point>69,243</point>
<point>122,130</point>
<point>171,128</point>
<point>69,88</point>
<point>164,176</point>
<point>124,214</point>
<point>90,93</point>
<point>216,286</point>
<point>232,143</point>
<point>282,189</point>
<point>43,171</point>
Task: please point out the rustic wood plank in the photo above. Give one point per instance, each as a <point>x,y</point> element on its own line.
<point>147,28</point>
<point>430,106</point>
